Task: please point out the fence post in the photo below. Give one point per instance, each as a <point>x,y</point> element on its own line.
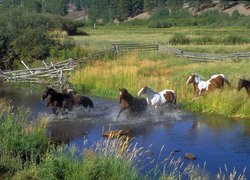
<point>26,67</point>
<point>116,48</point>
<point>157,46</point>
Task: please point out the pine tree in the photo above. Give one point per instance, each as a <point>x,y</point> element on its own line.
<point>149,5</point>
<point>54,6</point>
<point>137,7</point>
<point>124,9</point>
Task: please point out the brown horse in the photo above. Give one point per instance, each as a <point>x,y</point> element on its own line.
<point>134,104</point>
<point>64,101</point>
<point>200,86</point>
<point>244,83</point>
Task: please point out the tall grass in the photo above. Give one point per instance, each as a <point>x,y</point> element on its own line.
<point>159,71</point>
<point>20,141</point>
<point>26,154</point>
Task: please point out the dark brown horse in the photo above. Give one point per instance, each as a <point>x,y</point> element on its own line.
<point>200,86</point>
<point>55,99</point>
<point>64,101</point>
<point>134,104</point>
<point>244,83</point>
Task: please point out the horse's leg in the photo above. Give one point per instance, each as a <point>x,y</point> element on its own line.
<point>122,109</point>
<point>54,110</point>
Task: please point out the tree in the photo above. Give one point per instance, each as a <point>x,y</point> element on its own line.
<point>124,9</point>
<point>137,7</point>
<point>149,5</point>
<point>33,5</point>
<point>54,6</point>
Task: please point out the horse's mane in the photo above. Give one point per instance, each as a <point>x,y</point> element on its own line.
<point>126,95</point>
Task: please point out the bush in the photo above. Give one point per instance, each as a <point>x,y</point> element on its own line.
<point>205,40</point>
<point>234,39</point>
<point>160,13</point>
<point>179,38</point>
<point>160,24</point>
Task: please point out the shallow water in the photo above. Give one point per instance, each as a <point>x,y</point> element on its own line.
<point>214,140</point>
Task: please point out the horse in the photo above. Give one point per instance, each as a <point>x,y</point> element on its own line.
<point>134,104</point>
<point>65,100</point>
<point>158,98</point>
<point>200,86</point>
<point>55,99</point>
<point>244,83</point>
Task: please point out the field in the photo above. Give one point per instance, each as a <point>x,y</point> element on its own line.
<point>104,36</point>
<point>162,70</point>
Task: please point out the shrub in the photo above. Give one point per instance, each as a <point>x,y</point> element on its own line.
<point>179,38</point>
<point>160,13</point>
<point>160,24</point>
<point>204,40</point>
<point>234,39</point>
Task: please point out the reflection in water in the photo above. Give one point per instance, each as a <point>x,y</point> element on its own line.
<point>215,140</point>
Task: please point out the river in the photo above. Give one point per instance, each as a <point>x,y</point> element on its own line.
<point>216,141</point>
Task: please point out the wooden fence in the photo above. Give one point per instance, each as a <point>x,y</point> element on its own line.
<point>55,71</point>
<point>203,56</point>
<point>44,74</point>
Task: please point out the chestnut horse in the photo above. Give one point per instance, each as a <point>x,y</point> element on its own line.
<point>64,100</point>
<point>158,98</point>
<point>216,81</point>
<point>244,83</point>
<point>134,104</point>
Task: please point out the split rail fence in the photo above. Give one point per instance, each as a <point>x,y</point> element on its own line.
<point>52,72</point>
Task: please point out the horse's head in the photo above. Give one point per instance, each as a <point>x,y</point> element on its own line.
<point>48,91</point>
<point>191,78</point>
<point>240,84</point>
<point>122,94</point>
<point>142,91</point>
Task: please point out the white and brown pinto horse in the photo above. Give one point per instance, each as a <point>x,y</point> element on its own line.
<point>200,86</point>
<point>158,98</point>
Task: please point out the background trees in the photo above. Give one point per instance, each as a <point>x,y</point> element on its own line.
<point>28,36</point>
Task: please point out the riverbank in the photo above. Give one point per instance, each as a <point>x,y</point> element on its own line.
<point>160,71</point>
<point>27,152</point>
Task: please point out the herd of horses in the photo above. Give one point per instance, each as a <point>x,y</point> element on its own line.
<point>65,101</point>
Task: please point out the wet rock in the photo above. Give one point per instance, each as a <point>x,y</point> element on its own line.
<point>177,150</point>
<point>117,133</point>
<point>190,156</point>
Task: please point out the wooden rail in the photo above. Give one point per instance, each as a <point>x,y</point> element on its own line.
<point>204,56</point>
<point>55,71</point>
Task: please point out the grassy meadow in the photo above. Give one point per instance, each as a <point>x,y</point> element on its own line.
<point>160,71</point>
<point>202,39</point>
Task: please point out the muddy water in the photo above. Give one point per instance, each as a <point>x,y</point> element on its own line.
<point>214,140</point>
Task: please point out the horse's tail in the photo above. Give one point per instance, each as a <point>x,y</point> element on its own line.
<point>91,104</point>
<point>87,102</point>
<point>175,98</point>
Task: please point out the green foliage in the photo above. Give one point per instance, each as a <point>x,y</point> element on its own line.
<point>149,5</point>
<point>160,14</point>
<point>179,38</point>
<point>160,24</point>
<point>235,39</point>
<point>21,142</point>
<point>124,9</point>
<point>25,36</point>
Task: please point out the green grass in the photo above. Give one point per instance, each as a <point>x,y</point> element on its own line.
<point>104,36</point>
<point>161,71</point>
<point>26,153</point>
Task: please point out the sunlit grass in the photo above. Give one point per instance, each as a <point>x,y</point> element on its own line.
<point>104,36</point>
<point>159,71</point>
